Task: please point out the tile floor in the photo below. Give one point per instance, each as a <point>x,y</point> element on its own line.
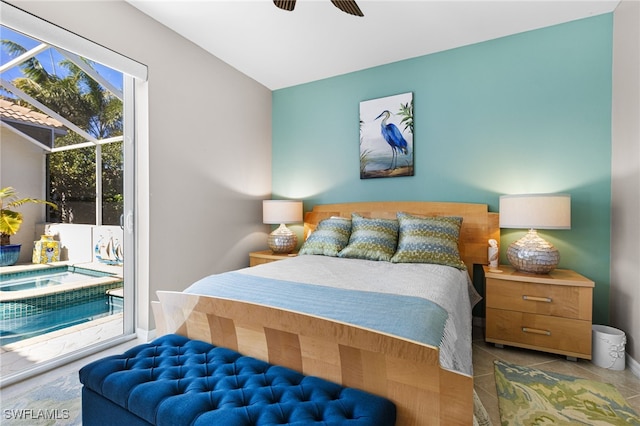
<point>19,356</point>
<point>485,353</point>
<point>71,368</point>
<point>483,356</point>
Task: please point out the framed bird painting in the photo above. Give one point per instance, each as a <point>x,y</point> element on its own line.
<point>386,137</point>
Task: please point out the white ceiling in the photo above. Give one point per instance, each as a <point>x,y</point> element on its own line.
<point>315,41</point>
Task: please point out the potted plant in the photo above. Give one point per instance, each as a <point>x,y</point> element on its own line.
<point>10,222</point>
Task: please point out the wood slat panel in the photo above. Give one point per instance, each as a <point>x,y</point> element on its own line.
<point>453,402</point>
<point>225,331</point>
<point>284,348</point>
<point>320,355</point>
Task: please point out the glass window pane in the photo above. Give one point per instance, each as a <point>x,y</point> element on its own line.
<point>72,185</point>
<point>112,183</point>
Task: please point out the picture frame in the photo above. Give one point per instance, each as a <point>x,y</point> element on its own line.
<point>386,137</point>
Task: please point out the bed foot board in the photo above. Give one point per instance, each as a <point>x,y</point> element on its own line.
<point>406,372</point>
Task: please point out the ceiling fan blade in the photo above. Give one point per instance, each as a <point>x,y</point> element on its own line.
<point>285,4</point>
<point>348,6</point>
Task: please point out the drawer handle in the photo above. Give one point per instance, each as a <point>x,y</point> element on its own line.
<point>536,331</point>
<point>537,299</point>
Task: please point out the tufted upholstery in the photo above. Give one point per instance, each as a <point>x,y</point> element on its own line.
<point>177,381</point>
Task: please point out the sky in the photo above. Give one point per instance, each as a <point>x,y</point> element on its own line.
<point>49,59</point>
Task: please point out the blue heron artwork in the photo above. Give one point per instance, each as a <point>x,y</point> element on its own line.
<point>386,137</point>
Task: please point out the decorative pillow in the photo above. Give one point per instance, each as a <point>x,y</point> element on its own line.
<point>330,236</point>
<point>429,240</point>
<point>371,239</point>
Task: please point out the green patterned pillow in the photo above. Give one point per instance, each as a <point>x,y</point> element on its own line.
<point>371,239</point>
<point>429,240</point>
<point>330,236</point>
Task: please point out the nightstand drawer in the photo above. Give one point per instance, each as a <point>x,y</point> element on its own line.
<point>556,300</point>
<point>255,261</point>
<point>560,335</point>
<point>267,256</point>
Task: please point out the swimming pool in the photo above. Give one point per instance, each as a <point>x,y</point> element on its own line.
<point>47,277</point>
<point>39,301</point>
<point>50,320</point>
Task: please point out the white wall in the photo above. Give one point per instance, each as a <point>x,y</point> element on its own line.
<point>78,241</point>
<point>28,185</point>
<point>625,177</point>
<point>209,159</point>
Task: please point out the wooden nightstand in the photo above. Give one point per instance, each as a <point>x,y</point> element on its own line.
<point>550,313</point>
<point>266,256</point>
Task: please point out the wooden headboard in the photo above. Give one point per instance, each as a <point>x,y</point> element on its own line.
<point>478,224</point>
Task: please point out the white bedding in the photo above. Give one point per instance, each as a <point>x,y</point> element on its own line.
<point>448,287</point>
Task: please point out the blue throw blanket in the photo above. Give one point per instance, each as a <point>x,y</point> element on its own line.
<point>409,317</point>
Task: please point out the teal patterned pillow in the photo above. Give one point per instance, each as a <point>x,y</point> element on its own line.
<point>371,239</point>
<point>330,236</point>
<point>429,240</point>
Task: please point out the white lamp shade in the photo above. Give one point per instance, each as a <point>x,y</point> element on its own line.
<point>535,211</point>
<point>281,211</point>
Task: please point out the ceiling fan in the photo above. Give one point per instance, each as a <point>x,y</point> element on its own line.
<point>348,6</point>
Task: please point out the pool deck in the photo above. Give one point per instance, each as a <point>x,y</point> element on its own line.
<point>18,356</point>
<point>22,267</point>
<point>115,271</point>
<point>12,296</point>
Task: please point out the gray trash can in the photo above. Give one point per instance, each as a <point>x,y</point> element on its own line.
<point>608,347</point>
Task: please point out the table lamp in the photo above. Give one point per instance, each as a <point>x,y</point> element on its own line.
<point>282,240</point>
<point>532,253</point>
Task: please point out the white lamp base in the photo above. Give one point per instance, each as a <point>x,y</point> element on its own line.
<point>282,240</point>
<point>533,254</point>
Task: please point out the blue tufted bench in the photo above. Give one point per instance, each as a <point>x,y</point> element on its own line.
<point>178,381</point>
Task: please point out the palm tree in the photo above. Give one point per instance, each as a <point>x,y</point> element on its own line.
<point>84,102</point>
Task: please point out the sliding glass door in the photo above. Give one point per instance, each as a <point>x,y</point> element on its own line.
<point>69,126</point>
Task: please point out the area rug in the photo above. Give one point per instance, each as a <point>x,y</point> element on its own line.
<point>53,403</point>
<point>528,396</point>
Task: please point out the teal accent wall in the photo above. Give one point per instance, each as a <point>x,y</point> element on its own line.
<point>528,113</point>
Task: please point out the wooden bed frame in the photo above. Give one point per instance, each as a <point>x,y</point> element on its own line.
<point>404,371</point>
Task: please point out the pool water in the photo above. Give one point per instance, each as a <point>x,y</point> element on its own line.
<point>25,315</point>
<point>16,329</point>
<point>40,282</point>
<point>46,278</point>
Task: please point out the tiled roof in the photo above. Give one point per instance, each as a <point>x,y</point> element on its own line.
<point>19,113</point>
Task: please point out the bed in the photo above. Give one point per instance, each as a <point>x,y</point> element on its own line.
<point>378,324</point>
